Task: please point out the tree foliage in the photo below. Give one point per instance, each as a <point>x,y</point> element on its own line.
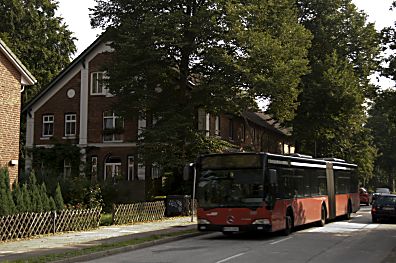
<point>382,122</point>
<point>38,37</point>
<point>28,197</point>
<point>331,114</point>
<point>172,57</point>
<point>389,45</point>
<point>232,51</point>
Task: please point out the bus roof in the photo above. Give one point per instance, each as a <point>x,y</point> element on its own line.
<point>291,158</point>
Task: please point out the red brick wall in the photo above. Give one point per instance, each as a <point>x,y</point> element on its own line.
<point>10,105</point>
<point>98,104</point>
<point>58,105</point>
<point>104,153</point>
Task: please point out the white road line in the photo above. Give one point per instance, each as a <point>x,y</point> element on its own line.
<point>229,258</point>
<point>276,242</point>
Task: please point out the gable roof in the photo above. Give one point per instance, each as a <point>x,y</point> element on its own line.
<point>76,61</point>
<point>265,120</point>
<point>26,77</point>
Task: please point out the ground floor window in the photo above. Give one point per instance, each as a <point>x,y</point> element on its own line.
<point>131,169</point>
<point>67,168</point>
<point>112,168</point>
<point>94,167</point>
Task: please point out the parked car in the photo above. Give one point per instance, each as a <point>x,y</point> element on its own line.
<point>384,207</point>
<point>365,196</point>
<point>380,191</point>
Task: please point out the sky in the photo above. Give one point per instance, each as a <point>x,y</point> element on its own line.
<point>76,16</point>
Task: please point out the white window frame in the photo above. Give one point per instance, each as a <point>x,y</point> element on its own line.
<point>115,170</point>
<point>217,126</point>
<point>243,132</point>
<point>67,168</point>
<point>48,125</point>
<point>155,171</point>
<point>94,166</point>
<point>70,124</point>
<point>142,124</point>
<point>114,119</point>
<point>131,168</point>
<point>97,85</point>
<point>141,171</point>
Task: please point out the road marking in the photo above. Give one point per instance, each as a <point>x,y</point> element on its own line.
<point>229,258</point>
<point>276,242</point>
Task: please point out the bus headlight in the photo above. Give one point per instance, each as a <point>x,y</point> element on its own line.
<point>261,222</point>
<point>203,222</point>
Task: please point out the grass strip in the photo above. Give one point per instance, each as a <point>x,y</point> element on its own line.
<point>102,247</point>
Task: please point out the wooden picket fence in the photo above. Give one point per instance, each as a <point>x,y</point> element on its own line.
<point>26,225</point>
<point>138,212</point>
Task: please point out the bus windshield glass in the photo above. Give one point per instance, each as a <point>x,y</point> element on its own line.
<point>230,188</point>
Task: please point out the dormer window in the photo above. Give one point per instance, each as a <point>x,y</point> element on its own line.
<point>98,83</point>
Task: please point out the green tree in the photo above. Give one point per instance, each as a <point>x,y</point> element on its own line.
<point>345,52</point>
<point>58,199</point>
<point>34,193</point>
<point>172,57</point>
<point>52,204</point>
<point>389,44</point>
<point>382,122</point>
<point>7,205</point>
<point>27,199</point>
<point>19,201</point>
<point>45,201</point>
<point>39,38</point>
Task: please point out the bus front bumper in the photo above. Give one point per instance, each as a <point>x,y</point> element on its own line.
<point>235,228</point>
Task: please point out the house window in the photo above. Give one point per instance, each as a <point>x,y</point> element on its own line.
<point>67,168</point>
<point>243,132</point>
<point>217,126</point>
<point>113,127</point>
<point>98,83</point>
<point>70,124</point>
<point>94,167</point>
<point>155,171</point>
<point>48,125</point>
<point>131,169</point>
<point>141,171</point>
<point>141,125</point>
<point>112,168</point>
<point>231,129</point>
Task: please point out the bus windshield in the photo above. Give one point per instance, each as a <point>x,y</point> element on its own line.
<point>230,188</point>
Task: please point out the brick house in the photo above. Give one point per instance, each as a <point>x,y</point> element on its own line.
<point>13,79</point>
<point>76,108</point>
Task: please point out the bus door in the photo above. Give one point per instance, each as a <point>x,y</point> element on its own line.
<point>331,190</point>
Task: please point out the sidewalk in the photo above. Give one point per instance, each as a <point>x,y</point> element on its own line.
<point>64,242</point>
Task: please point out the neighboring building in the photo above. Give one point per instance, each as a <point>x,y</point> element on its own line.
<point>13,79</point>
<point>76,108</point>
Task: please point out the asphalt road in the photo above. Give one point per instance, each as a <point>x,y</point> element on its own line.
<point>355,240</point>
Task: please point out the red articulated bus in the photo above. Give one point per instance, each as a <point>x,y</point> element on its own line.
<point>269,192</point>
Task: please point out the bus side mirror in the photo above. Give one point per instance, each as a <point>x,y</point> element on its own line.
<point>188,171</point>
<point>273,177</point>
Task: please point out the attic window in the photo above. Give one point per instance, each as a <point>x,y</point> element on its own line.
<point>98,83</point>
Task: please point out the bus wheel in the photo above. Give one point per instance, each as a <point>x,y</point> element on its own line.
<point>322,221</point>
<point>289,225</point>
